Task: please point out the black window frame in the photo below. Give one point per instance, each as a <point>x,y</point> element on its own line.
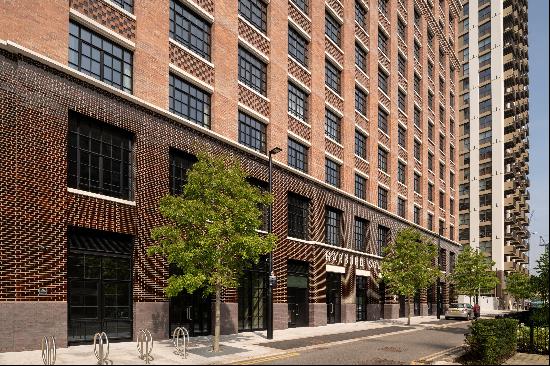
<point>249,67</point>
<point>333,226</point>
<point>360,186</point>
<point>333,125</point>
<point>196,101</point>
<point>383,238</point>
<point>298,216</point>
<point>303,5</point>
<point>180,162</point>
<point>383,159</point>
<point>333,28</point>
<point>255,12</point>
<point>361,100</point>
<point>383,120</point>
<point>332,173</point>
<point>360,234</point>
<point>252,125</point>
<point>402,136</point>
<point>382,198</point>
<point>417,183</point>
<point>127,5</point>
<point>298,102</point>
<point>333,76</point>
<point>361,59</point>
<point>383,40</point>
<point>360,145</point>
<point>401,207</point>
<point>383,81</point>
<point>360,15</point>
<point>298,155</point>
<point>401,172</point>
<point>298,46</point>
<point>190,29</point>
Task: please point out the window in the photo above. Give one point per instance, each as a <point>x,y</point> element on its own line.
<point>382,120</point>
<point>417,183</point>
<point>430,69</point>
<point>441,171</point>
<point>485,199</point>
<point>382,42</point>
<point>484,29</point>
<point>333,226</point>
<point>180,163</point>
<point>485,184</point>
<point>382,160</point>
<point>485,231</point>
<point>430,38</point>
<point>255,11</point>
<point>360,58</point>
<point>430,130</point>
<point>430,192</point>
<point>485,59</point>
<point>484,44</point>
<point>332,28</point>
<point>332,125</point>
<point>452,206</point>
<point>189,29</point>
<point>464,189</point>
<point>383,7</point>
<point>100,157</point>
<point>401,207</point>
<point>417,150</point>
<point>252,133</point>
<point>127,5</point>
<point>464,234</point>
<point>417,214</point>
<point>430,161</point>
<point>297,46</point>
<point>452,179</point>
<point>430,223</point>
<point>303,5</point>
<point>442,143</point>
<point>383,238</point>
<point>485,91</point>
<point>383,198</point>
<point>402,64</point>
<point>442,57</point>
<point>360,15</point>
<point>485,152</point>
<point>485,215</point>
<point>485,75</point>
<point>417,17</point>
<point>417,118</point>
<point>451,153</point>
<point>417,84</point>
<point>464,219</point>
<point>441,85</point>
<point>360,234</point>
<point>298,208</point>
<point>332,76</point>
<point>360,145</point>
<point>441,114</point>
<point>383,81</point>
<point>485,121</point>
<point>298,105</point>
<point>98,57</point>
<point>332,173</point>
<point>360,101</point>
<point>416,51</point>
<point>360,187</point>
<point>401,172</point>
<point>252,71</point>
<point>452,126</point>
<point>297,155</point>
<point>485,137</point>
<point>464,204</point>
<point>189,101</point>
<point>441,200</point>
<point>430,99</point>
<point>401,100</point>
<point>401,28</point>
<point>402,136</point>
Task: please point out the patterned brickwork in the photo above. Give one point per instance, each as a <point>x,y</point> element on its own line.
<point>402,153</point>
<point>252,36</point>
<point>299,73</point>
<point>334,149</point>
<point>362,34</point>
<point>384,22</point>
<point>337,7</point>
<point>299,128</point>
<point>384,100</point>
<point>361,78</point>
<point>108,15</point>
<point>361,121</point>
<point>402,118</point>
<point>185,60</point>
<point>362,165</point>
<point>334,51</point>
<point>384,179</point>
<point>253,100</point>
<point>207,5</point>
<point>298,17</point>
<point>333,99</point>
<point>383,138</point>
<point>402,189</point>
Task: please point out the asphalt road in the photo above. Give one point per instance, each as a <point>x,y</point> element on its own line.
<point>396,349</point>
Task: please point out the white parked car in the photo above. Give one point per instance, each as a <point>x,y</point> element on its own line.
<point>460,310</point>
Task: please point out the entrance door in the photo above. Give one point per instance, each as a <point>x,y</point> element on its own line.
<point>252,294</point>
<point>402,306</point>
<point>361,297</point>
<point>333,298</point>
<point>298,294</point>
<point>99,268</point>
<point>191,311</point>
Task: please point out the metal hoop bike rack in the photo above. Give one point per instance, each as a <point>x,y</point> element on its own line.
<point>180,337</point>
<point>49,350</point>
<point>145,345</point>
<point>100,340</point>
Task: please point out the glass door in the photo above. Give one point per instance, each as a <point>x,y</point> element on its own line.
<point>191,311</point>
<point>252,294</point>
<point>298,294</point>
<point>361,297</point>
<point>333,298</point>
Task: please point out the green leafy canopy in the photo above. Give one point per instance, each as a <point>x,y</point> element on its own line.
<point>211,235</point>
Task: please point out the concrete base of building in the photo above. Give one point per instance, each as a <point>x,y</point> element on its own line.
<point>24,323</point>
<point>373,311</point>
<point>280,316</point>
<point>229,317</point>
<point>317,314</point>
<point>152,316</point>
<point>349,314</point>
<point>391,311</point>
<point>424,310</point>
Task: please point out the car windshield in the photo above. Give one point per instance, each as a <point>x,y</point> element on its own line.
<point>457,306</point>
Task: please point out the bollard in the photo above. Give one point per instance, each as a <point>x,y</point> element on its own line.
<point>144,336</point>
<point>49,351</point>
<point>180,337</point>
<point>99,351</point>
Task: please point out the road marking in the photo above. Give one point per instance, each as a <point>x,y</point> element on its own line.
<point>429,358</point>
<point>266,359</point>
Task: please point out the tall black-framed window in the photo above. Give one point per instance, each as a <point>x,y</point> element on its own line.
<point>417,118</point>
<point>332,125</point>
<point>297,46</point>
<point>180,163</point>
<point>360,15</point>
<point>383,238</point>
<point>332,28</point>
<point>333,226</point>
<point>298,211</point>
<point>303,5</point>
<point>401,172</point>
<point>127,5</point>
<point>430,192</point>
<point>401,207</point>
<point>417,214</point>
<point>332,76</point>
<point>252,71</point>
<point>382,198</point>
<point>100,58</point>
<point>360,58</point>
<point>298,104</point>
<point>401,29</point>
<point>431,128</point>
<point>360,145</point>
<point>442,200</point>
<point>383,7</point>
<point>360,234</point>
<point>382,120</point>
<point>382,159</point>
<point>100,157</point>
<point>430,161</point>
<point>383,80</point>
<point>360,186</point>
<point>417,151</point>
<point>361,289</point>
<point>402,137</point>
<point>263,186</point>
<point>430,223</point>
<point>382,41</point>
<point>417,183</point>
<point>189,29</point>
<point>360,101</point>
<point>402,64</point>
<point>332,172</point>
<point>402,100</point>
<point>189,101</point>
<point>252,133</point>
<point>297,155</point>
<point>255,11</point>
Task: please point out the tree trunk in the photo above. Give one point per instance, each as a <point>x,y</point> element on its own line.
<point>216,340</point>
<point>410,309</point>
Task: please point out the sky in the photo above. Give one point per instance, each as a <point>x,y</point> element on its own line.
<point>538,124</point>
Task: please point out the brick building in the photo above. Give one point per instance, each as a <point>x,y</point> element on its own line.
<point>106,102</point>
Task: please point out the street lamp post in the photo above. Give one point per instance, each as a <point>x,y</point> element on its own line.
<point>438,287</point>
<point>272,278</point>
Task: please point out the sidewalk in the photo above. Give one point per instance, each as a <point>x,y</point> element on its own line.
<point>234,347</point>
<point>527,359</point>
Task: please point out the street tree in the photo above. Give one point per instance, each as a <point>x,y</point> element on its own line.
<point>518,285</point>
<point>407,266</point>
<point>473,273</point>
<point>541,280</point>
<point>211,232</point>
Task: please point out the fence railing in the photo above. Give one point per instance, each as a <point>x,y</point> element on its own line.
<point>533,338</point>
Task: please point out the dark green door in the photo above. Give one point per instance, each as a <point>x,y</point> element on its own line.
<point>333,298</point>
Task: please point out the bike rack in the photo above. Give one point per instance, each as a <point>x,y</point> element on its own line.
<point>180,337</point>
<point>144,336</point>
<point>99,340</point>
<point>49,350</point>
